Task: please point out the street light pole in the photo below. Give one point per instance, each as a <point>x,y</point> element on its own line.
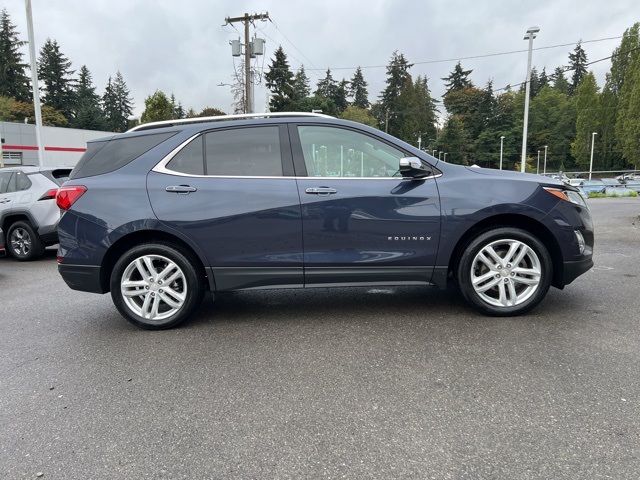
<point>34,82</point>
<point>593,141</point>
<point>530,35</point>
<point>501,148</point>
<point>538,166</point>
<point>544,168</point>
<point>419,142</point>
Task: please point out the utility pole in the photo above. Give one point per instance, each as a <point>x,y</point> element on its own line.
<point>419,142</point>
<point>501,148</point>
<point>34,83</point>
<point>530,35</point>
<point>544,168</point>
<point>386,121</point>
<point>246,19</point>
<point>538,166</point>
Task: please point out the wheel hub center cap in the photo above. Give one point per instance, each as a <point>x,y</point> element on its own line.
<point>505,272</point>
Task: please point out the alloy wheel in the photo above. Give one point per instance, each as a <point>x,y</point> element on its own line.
<point>506,273</point>
<point>153,287</point>
<point>20,242</point>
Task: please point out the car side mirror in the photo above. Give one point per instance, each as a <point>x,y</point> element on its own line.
<point>412,167</point>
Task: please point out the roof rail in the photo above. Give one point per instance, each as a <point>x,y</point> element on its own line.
<point>218,118</point>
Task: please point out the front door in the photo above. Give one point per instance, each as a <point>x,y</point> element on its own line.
<point>233,192</point>
<point>363,223</point>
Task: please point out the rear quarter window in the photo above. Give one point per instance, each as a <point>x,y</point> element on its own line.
<point>110,155</point>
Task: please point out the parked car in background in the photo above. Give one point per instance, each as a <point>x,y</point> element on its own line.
<point>575,182</point>
<point>629,176</point>
<point>592,186</point>
<point>28,211</point>
<point>160,214</point>
<point>633,185</point>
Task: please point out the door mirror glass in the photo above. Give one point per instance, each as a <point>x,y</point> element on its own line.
<point>412,167</point>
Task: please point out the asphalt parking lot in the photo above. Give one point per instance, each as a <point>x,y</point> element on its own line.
<point>353,383</point>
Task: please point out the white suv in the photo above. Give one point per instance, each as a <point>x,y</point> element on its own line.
<point>28,211</point>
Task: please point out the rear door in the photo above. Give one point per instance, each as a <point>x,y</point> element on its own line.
<point>232,191</point>
<point>8,193</point>
<point>363,222</point>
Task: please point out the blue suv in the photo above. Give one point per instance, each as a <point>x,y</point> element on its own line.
<point>170,209</point>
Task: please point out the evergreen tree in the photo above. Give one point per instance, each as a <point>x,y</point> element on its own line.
<point>578,64</point>
<point>327,86</point>
<point>358,90</point>
<point>158,107</point>
<point>87,112</point>
<point>280,82</point>
<point>54,71</point>
<point>14,82</point>
<point>417,112</point>
<point>453,140</point>
<point>301,87</point>
<point>535,82</point>
<point>587,119</point>
<point>622,57</point>
<point>560,82</point>
<point>340,96</point>
<point>117,104</point>
<point>359,114</point>
<point>458,79</point>
<point>387,111</point>
<point>543,79</point>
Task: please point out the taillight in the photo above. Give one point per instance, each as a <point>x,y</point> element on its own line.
<point>67,196</point>
<point>49,194</point>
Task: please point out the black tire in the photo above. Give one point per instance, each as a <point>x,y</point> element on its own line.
<point>192,275</point>
<point>30,246</point>
<point>464,279</point>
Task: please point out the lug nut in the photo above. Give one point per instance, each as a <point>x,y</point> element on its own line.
<point>161,291</point>
<point>513,274</point>
<point>159,282</point>
<point>146,287</point>
<point>506,280</point>
<point>153,294</point>
<point>497,275</point>
<point>508,265</point>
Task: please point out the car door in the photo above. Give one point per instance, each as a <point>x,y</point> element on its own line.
<point>7,192</point>
<point>232,192</point>
<point>363,223</point>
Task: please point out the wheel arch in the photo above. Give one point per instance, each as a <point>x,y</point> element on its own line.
<point>16,216</point>
<point>531,225</point>
<point>139,237</point>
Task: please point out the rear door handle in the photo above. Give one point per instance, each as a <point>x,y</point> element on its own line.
<point>5,200</point>
<point>320,191</point>
<point>181,189</point>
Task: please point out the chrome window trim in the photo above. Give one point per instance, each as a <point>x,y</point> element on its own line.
<point>161,167</point>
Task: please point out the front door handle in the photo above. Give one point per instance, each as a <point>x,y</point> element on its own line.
<point>5,200</point>
<point>184,189</point>
<point>320,191</point>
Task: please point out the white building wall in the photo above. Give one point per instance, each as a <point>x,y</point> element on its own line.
<point>63,146</point>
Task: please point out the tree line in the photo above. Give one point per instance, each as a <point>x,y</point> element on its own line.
<point>566,107</point>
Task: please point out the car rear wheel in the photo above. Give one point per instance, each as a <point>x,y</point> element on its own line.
<point>23,243</point>
<point>156,286</point>
<point>504,272</point>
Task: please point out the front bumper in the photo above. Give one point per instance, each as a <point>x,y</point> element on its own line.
<point>573,269</point>
<point>85,278</point>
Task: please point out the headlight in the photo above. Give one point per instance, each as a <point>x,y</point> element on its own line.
<point>567,195</point>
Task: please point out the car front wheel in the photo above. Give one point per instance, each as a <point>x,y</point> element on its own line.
<point>156,286</point>
<point>504,272</point>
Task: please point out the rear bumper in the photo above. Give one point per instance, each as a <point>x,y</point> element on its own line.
<point>49,234</point>
<point>574,269</point>
<point>85,278</point>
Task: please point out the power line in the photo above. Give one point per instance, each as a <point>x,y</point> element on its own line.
<point>471,57</point>
<point>291,43</point>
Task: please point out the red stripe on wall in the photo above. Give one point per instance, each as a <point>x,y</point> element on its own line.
<point>48,149</point>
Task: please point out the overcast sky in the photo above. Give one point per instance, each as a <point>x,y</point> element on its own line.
<point>181,46</point>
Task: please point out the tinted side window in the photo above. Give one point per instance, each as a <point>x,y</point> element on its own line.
<point>4,181</point>
<point>339,152</point>
<point>250,151</point>
<point>190,159</point>
<point>115,153</point>
<point>11,186</point>
<point>22,181</point>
